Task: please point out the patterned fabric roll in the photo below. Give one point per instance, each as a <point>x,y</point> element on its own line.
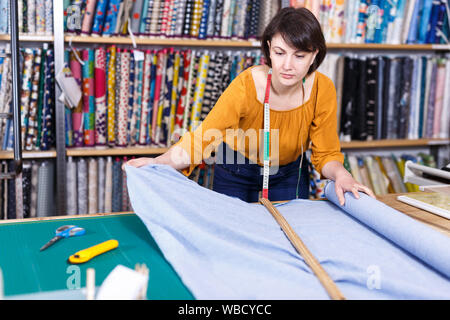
<point>196,17</point>
<point>45,194</point>
<point>254,20</point>
<point>173,14</point>
<point>40,16</point>
<point>88,17</point>
<point>28,55</point>
<point>199,91</point>
<point>176,78</point>
<point>136,16</point>
<point>438,102</point>
<point>100,96</point>
<point>183,96</point>
<point>265,16</point>
<point>225,18</point>
<point>116,186</point>
<point>48,17</point>
<point>124,86</point>
<point>211,19</point>
<point>207,103</point>
<point>240,15</point>
<point>34,187</point>
<point>218,18</point>
<point>188,16</point>
<point>47,135</point>
<point>131,90</point>
<point>26,186</point>
<point>92,186</point>
<point>137,103</point>
<point>145,17</point>
<point>99,17</point>
<point>204,19</point>
<point>20,16</point>
<point>117,100</point>
<point>164,112</point>
<point>111,17</point>
<point>101,184</point>
<point>31,16</point>
<point>82,183</point>
<point>77,114</point>
<point>125,198</point>
<point>71,180</point>
<point>152,98</point>
<point>108,185</point>
<point>162,95</point>
<point>146,97</point>
<point>88,97</point>
<point>190,91</point>
<point>32,117</point>
<point>112,95</point>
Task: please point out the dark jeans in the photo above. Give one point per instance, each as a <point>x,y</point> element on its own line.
<point>245,181</point>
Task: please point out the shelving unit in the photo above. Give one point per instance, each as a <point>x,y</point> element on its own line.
<point>61,40</point>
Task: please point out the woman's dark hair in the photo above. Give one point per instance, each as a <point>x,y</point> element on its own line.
<point>300,29</point>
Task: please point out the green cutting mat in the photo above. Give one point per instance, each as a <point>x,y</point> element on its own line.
<point>27,270</point>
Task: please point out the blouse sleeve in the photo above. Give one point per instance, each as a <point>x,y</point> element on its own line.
<point>323,131</point>
<point>225,114</point>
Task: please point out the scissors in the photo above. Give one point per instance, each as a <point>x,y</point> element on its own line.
<point>64,232</point>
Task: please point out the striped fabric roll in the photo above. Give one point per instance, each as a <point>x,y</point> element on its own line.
<point>40,16</point>
<point>111,96</point>
<point>88,17</point>
<point>146,19</point>
<point>88,97</point>
<point>145,97</point>
<point>100,96</point>
<point>77,114</point>
<point>123,98</point>
<point>82,191</point>
<point>92,186</point>
<point>32,116</point>
<point>71,180</point>
<point>99,18</point>
<point>153,12</point>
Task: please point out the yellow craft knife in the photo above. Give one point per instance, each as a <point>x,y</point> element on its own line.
<point>89,253</point>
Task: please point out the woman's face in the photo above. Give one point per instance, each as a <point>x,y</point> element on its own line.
<point>289,65</point>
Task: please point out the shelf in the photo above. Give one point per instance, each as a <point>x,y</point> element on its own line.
<point>394,143</point>
<point>242,43</point>
<point>29,38</point>
<point>106,151</point>
<point>9,155</point>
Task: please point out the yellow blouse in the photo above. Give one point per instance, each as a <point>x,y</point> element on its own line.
<point>313,122</point>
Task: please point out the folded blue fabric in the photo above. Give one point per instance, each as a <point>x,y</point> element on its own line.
<point>225,248</point>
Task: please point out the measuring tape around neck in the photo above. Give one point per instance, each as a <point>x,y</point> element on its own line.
<point>265,190</point>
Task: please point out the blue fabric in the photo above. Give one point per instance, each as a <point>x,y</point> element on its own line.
<point>225,248</point>
<point>245,180</point>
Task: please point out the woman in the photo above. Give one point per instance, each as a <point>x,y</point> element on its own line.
<point>302,112</point>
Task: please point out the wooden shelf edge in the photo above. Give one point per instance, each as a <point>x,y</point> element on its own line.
<point>393,143</point>
<point>29,38</point>
<point>105,151</point>
<point>242,43</point>
<point>9,155</point>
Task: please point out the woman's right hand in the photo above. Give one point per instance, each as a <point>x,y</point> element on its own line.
<point>139,162</point>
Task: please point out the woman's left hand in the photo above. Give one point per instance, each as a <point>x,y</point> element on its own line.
<point>346,183</point>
